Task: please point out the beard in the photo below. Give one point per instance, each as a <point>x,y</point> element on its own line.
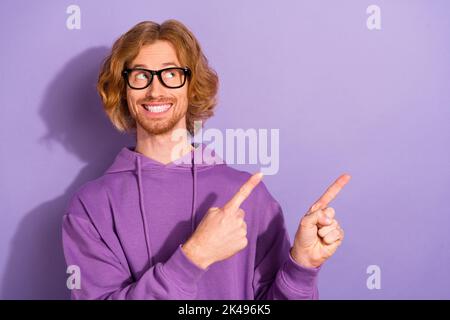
<point>159,126</point>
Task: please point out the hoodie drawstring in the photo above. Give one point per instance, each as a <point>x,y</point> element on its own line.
<point>194,188</point>
<point>142,207</point>
<point>144,216</point>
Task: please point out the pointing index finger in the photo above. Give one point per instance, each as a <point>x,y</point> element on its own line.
<point>244,191</point>
<point>331,192</point>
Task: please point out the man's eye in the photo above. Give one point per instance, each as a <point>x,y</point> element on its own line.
<point>141,76</point>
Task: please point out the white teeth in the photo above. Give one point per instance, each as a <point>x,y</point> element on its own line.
<point>157,109</point>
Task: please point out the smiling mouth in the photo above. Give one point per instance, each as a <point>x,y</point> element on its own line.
<point>157,108</point>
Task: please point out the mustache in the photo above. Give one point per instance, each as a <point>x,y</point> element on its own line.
<point>159,100</point>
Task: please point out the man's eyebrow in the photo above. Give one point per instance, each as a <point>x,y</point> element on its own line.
<point>144,66</point>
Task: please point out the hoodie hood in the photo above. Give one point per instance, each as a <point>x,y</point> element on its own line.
<point>199,158</point>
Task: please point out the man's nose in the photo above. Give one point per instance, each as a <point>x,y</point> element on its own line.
<point>156,88</point>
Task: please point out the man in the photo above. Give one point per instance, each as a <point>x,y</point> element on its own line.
<point>155,226</point>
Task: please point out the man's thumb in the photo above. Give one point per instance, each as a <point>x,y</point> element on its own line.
<point>311,219</point>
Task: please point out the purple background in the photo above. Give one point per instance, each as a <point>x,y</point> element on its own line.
<point>375,104</point>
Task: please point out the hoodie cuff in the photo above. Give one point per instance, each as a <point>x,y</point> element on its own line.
<point>300,277</point>
<point>182,271</point>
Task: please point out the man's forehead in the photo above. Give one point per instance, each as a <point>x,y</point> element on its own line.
<point>159,53</point>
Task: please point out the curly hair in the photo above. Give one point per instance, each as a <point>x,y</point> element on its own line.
<point>202,84</point>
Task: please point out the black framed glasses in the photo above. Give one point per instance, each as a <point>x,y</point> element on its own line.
<point>173,77</point>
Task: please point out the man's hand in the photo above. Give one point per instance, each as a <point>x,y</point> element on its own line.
<point>319,234</point>
<point>222,232</point>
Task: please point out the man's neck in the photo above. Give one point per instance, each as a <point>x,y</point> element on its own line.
<point>162,148</point>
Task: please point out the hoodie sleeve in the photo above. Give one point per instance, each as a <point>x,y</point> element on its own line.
<point>277,275</point>
<point>104,275</point>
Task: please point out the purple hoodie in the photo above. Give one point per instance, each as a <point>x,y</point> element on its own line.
<point>124,231</point>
